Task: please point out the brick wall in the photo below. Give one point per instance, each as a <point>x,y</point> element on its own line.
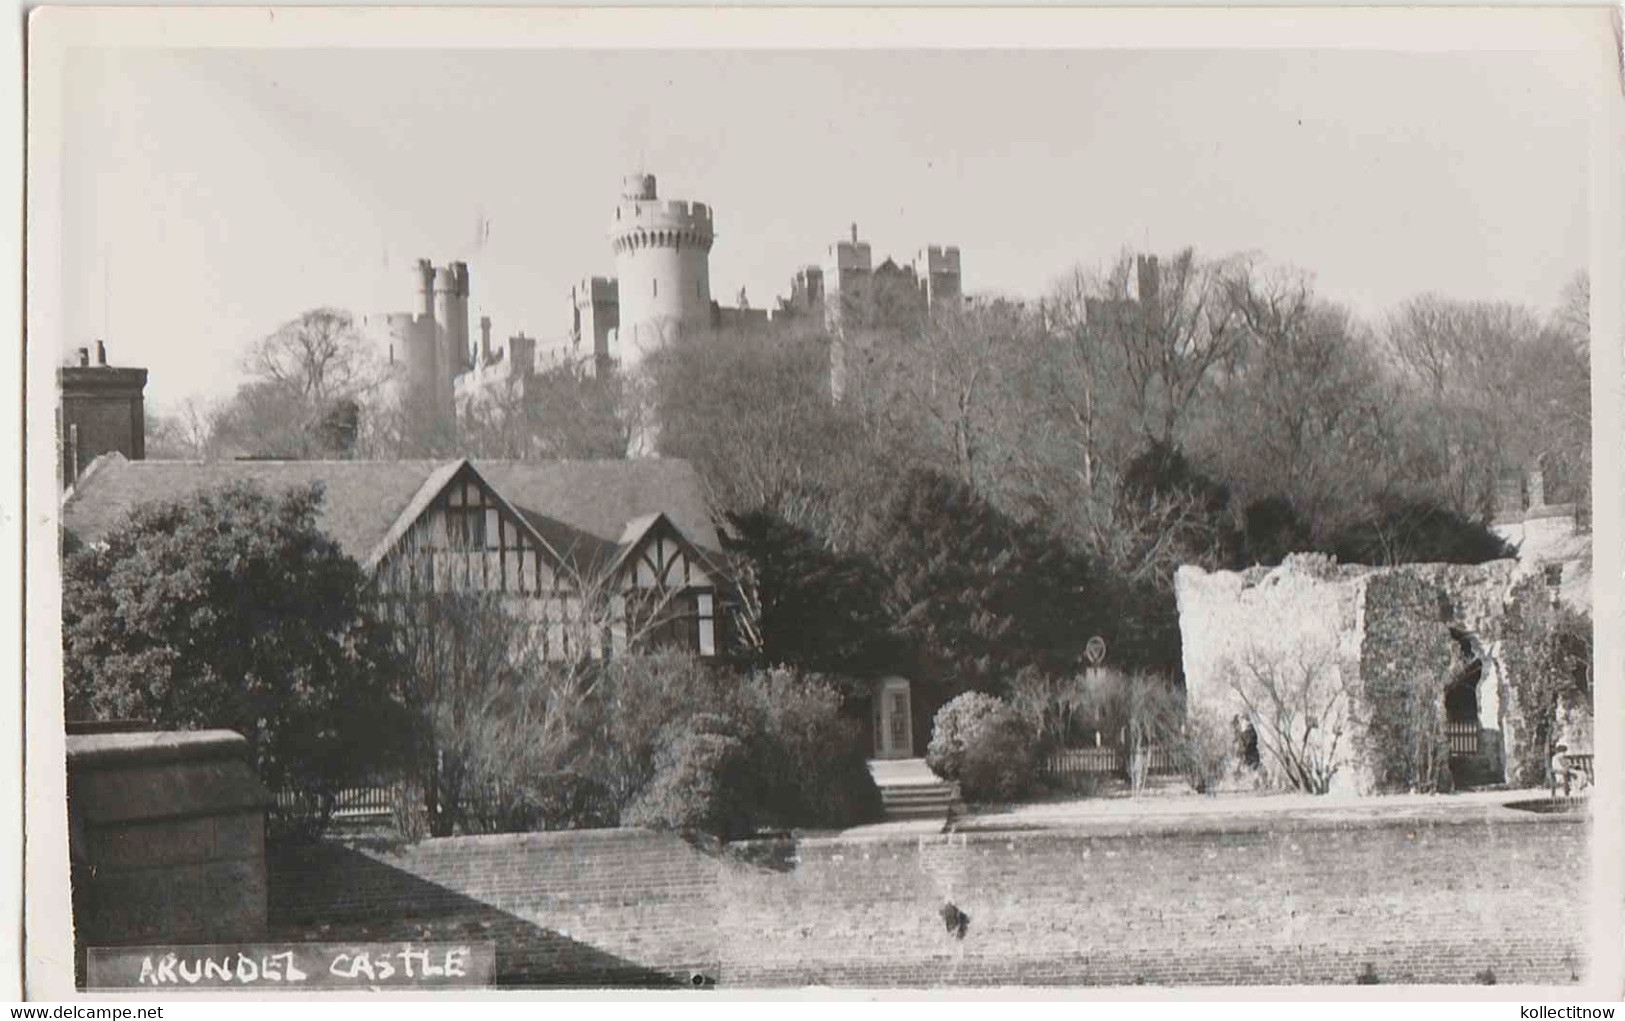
<point>1417,901</point>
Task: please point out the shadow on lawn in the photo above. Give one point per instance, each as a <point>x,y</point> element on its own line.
<point>327,892</point>
<point>1549,806</point>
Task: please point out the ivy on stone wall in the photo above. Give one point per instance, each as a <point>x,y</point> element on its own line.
<point>1546,651</point>
<point>1408,659</point>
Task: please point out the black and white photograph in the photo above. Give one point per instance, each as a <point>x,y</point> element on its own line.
<point>823,501</point>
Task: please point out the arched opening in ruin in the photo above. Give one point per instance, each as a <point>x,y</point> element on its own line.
<point>1461,701</point>
<point>1461,697</point>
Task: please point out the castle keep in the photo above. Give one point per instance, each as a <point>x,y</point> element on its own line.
<point>663,266</point>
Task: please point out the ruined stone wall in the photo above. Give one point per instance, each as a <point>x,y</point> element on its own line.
<point>1304,617</point>
<point>1407,660</point>
<point>1395,639</point>
<point>1546,701</point>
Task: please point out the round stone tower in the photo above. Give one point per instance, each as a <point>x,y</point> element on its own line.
<point>663,265</point>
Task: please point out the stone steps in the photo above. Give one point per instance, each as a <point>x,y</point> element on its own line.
<point>909,790</point>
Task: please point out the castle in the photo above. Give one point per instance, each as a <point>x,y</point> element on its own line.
<point>661,290</point>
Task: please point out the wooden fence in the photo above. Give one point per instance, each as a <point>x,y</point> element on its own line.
<point>381,800</point>
<point>350,802</point>
<point>1160,761</point>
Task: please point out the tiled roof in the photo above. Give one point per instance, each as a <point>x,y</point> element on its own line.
<point>361,499</point>
<point>572,503</point>
<point>599,498</point>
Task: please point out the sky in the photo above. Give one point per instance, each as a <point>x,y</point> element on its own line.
<point>210,195</point>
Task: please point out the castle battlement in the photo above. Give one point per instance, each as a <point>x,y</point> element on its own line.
<point>851,255</point>
<point>395,320</point>
<point>938,259</point>
<point>668,222</point>
<point>596,290</point>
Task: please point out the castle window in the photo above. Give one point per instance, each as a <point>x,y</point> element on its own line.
<point>656,285</point>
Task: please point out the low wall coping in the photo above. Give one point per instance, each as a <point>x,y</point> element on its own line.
<point>163,775</point>
<point>151,748</point>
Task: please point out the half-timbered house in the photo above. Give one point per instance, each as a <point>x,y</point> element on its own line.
<point>625,546</point>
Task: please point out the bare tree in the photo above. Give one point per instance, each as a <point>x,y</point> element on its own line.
<point>1303,411</point>
<point>563,412</point>
<point>1300,708</point>
<point>309,384</point>
<point>753,412</point>
<point>1085,374</point>
<point>955,382</point>
<point>320,355</point>
<point>1511,390</point>
<point>1573,316</point>
<point>504,687</point>
<point>1172,332</point>
<point>186,435</point>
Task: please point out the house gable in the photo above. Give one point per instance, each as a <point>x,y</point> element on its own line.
<point>459,534</point>
<point>674,581</point>
<point>654,553</point>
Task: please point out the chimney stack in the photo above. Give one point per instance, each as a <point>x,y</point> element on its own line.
<point>485,340</point>
<point>84,357</point>
<point>101,353</point>
<point>854,233</point>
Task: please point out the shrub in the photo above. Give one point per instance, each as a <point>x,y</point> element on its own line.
<point>637,698</point>
<point>700,779</point>
<point>560,800</point>
<point>230,608</point>
<point>809,764</point>
<point>985,745</point>
<point>1206,749</point>
<point>568,800</point>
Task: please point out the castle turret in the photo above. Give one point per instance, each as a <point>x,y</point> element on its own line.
<point>938,270</point>
<point>594,318</point>
<point>848,267</point>
<point>663,263</point>
<point>451,317</point>
<point>431,341</point>
<point>425,286</point>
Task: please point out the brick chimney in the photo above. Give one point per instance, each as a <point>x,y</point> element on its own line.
<point>103,410</point>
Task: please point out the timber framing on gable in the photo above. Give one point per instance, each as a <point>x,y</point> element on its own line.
<point>656,554</point>
<point>671,586</point>
<point>459,534</point>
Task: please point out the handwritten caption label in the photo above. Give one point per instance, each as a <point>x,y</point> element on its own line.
<point>293,966</point>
